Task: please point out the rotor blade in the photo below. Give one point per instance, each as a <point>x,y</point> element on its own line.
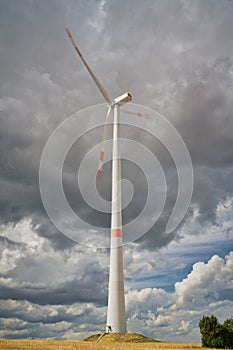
<point>138,114</point>
<point>105,134</point>
<point>98,84</point>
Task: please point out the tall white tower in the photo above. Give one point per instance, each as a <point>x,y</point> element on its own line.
<point>116,319</point>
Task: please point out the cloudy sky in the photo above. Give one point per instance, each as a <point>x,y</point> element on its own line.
<point>175,57</point>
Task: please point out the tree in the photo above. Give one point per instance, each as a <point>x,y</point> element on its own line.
<point>228,325</point>
<point>214,335</point>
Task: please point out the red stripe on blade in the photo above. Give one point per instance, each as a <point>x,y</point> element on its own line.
<point>102,155</point>
<point>99,173</point>
<point>68,33</point>
<point>79,53</point>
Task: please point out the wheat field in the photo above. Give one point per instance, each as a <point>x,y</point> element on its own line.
<point>85,345</point>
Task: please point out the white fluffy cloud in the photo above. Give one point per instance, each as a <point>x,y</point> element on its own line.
<point>32,269</point>
<point>207,283</point>
<point>208,289</point>
<point>30,261</point>
<point>53,321</point>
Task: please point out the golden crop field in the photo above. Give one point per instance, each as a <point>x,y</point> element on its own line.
<point>85,345</point>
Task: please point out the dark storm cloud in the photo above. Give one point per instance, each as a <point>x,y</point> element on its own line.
<point>30,274</point>
<point>67,293</point>
<point>38,97</point>
<point>174,56</point>
<point>42,225</point>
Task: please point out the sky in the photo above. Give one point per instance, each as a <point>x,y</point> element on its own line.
<point>175,57</point>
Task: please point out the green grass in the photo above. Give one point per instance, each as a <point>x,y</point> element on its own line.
<point>121,337</point>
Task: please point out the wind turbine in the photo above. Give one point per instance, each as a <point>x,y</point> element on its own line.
<point>116,318</point>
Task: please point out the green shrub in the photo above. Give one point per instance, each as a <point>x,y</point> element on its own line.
<point>215,335</point>
<point>228,325</point>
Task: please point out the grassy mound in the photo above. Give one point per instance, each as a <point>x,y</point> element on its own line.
<point>120,338</point>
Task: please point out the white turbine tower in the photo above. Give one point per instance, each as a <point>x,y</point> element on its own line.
<point>116,319</point>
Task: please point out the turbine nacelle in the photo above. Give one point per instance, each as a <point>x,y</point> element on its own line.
<point>121,100</point>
